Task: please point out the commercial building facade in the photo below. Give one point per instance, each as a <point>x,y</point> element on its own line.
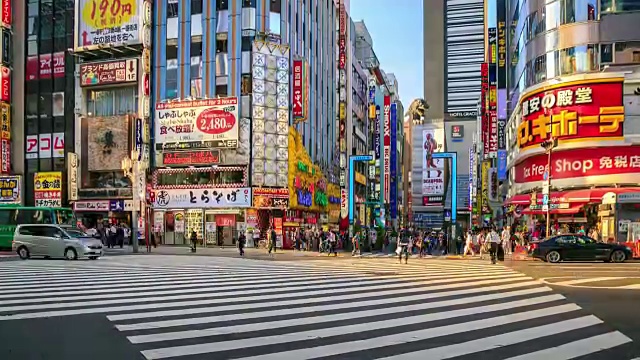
<point>572,78</point>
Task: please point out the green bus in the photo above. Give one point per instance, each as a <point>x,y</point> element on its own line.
<point>12,215</point>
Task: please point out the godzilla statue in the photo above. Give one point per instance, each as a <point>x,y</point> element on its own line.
<point>417,109</point>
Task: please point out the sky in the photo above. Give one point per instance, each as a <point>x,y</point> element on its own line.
<point>396,31</point>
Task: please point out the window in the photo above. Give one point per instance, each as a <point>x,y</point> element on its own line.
<point>172,9</point>
<point>107,179</point>
<point>201,178</point>
<point>245,84</point>
<point>247,42</point>
<point>222,46</point>
<point>118,101</point>
<point>221,90</point>
<point>249,3</point>
<point>196,7</point>
<point>222,5</point>
<point>606,53</point>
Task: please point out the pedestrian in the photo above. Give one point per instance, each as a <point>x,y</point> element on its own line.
<point>194,240</point>
<point>272,240</point>
<point>333,242</point>
<point>494,243</point>
<point>403,248</point>
<point>469,245</point>
<point>241,242</point>
<point>355,243</point>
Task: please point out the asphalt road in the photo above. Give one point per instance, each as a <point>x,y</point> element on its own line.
<point>299,307</point>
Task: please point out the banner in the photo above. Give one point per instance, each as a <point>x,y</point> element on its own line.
<point>393,196</point>
<point>209,123</point>
<point>300,88</point>
<point>10,192</point>
<point>387,148</point>
<point>110,22</point>
<point>587,111</point>
<point>432,169</point>
<point>202,198</point>
<point>48,189</point>
<point>578,163</point>
<point>109,72</point>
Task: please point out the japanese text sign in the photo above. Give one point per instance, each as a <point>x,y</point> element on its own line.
<point>10,189</point>
<point>270,198</point>
<point>202,198</point>
<point>108,22</point>
<point>109,72</point>
<point>198,121</point>
<point>5,84</point>
<point>5,121</point>
<point>582,111</point>
<point>579,163</point>
<point>5,158</point>
<point>45,66</point>
<point>300,89</point>
<point>7,17</point>
<point>387,147</point>
<point>204,157</point>
<point>48,189</point>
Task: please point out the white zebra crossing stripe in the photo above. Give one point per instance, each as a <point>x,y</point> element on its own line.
<point>346,347</point>
<point>221,308</point>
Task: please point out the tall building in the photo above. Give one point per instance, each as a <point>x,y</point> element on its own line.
<point>209,52</point>
<point>453,52</point>
<point>580,67</point>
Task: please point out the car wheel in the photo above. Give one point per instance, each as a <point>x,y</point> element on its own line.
<point>93,257</point>
<point>70,254</point>
<point>553,257</point>
<point>23,253</point>
<point>618,256</point>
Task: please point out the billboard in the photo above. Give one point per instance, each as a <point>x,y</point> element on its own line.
<point>109,72</point>
<point>48,189</point>
<point>111,23</point>
<point>387,147</point>
<point>300,88</point>
<point>393,196</point>
<point>45,66</point>
<point>270,113</point>
<point>578,163</point>
<point>432,169</point>
<point>10,189</point>
<point>210,123</point>
<point>586,110</point>
<point>202,198</point>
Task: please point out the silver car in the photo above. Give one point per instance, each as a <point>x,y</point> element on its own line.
<point>54,241</point>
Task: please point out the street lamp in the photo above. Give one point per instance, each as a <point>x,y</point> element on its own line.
<point>548,146</point>
<point>134,168</point>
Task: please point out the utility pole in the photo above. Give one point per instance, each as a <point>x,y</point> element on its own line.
<point>548,146</point>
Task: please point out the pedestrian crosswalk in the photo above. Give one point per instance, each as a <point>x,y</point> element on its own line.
<point>179,307</point>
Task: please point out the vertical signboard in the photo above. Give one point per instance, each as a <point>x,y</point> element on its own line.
<point>484,91</point>
<point>300,89</point>
<point>393,196</point>
<point>502,43</point>
<point>5,137</point>
<point>486,166</point>
<point>493,113</point>
<point>491,35</point>
<point>72,175</point>
<point>387,147</point>
<point>342,98</point>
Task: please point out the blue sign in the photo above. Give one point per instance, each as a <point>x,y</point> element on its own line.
<point>376,139</point>
<point>116,205</point>
<point>372,94</point>
<point>351,201</point>
<point>304,198</point>
<point>545,199</point>
<point>502,165</point>
<point>393,167</point>
<point>454,180</point>
<point>138,144</point>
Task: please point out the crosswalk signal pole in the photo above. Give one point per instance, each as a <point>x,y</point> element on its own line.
<point>548,145</point>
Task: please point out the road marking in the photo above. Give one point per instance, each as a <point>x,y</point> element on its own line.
<point>578,348</point>
<point>630,287</point>
<point>497,341</point>
<point>583,281</point>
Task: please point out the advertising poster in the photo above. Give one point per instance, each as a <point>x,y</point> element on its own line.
<point>108,141</point>
<point>432,169</point>
<point>10,189</point>
<point>48,189</point>
<point>58,103</point>
<point>387,148</point>
<point>209,123</point>
<point>393,201</point>
<point>109,72</point>
<point>586,111</point>
<point>109,22</point>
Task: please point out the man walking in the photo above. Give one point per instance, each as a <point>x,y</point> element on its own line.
<point>272,240</point>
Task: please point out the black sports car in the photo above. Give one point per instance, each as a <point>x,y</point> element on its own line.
<point>576,247</point>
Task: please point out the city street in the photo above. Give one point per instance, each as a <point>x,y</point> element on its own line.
<point>204,307</point>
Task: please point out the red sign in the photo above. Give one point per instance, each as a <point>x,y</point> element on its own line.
<point>484,91</point>
<point>5,84</point>
<point>387,147</point>
<point>493,121</point>
<point>6,14</point>
<point>109,72</point>
<point>215,121</point>
<point>206,157</point>
<point>582,111</point>
<point>298,107</point>
<point>271,197</point>
<point>580,163</point>
<point>45,66</point>
<point>146,84</point>
<point>226,220</point>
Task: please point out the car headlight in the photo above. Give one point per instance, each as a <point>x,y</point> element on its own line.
<point>628,249</point>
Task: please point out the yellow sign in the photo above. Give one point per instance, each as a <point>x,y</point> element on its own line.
<point>343,111</point>
<point>5,122</point>
<point>48,188</point>
<point>372,111</point>
<point>360,179</point>
<point>102,14</point>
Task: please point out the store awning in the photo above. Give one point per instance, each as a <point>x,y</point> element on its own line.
<point>525,199</point>
<point>595,195</point>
